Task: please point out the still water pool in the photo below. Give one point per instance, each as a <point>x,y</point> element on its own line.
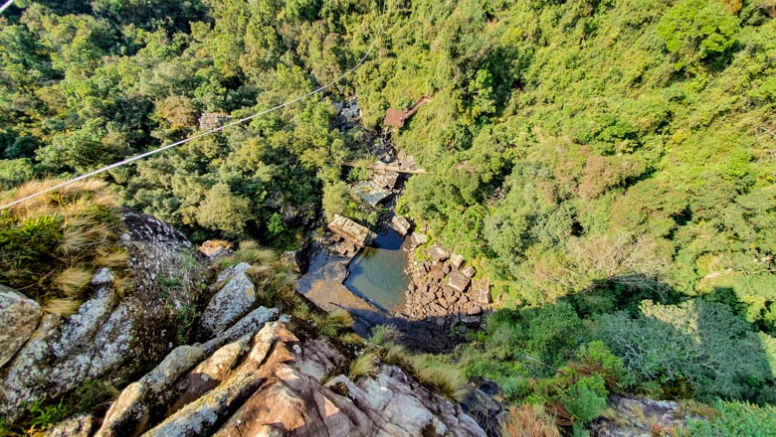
<point>377,272</point>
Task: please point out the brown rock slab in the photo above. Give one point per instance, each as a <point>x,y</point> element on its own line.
<point>474,310</point>
<point>469,271</point>
<point>400,225</point>
<point>351,230</point>
<point>482,292</point>
<point>457,281</point>
<point>438,253</point>
<point>456,261</point>
<point>418,239</point>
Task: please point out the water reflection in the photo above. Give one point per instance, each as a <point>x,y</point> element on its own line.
<point>377,273</point>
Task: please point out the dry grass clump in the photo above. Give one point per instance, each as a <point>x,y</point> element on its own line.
<point>529,420</point>
<point>117,258</point>
<point>365,365</point>
<point>447,380</point>
<point>62,306</point>
<point>50,245</point>
<point>396,355</point>
<point>250,252</point>
<point>72,280</point>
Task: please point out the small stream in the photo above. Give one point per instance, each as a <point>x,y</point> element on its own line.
<point>377,272</point>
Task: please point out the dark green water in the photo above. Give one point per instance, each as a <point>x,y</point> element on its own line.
<point>377,272</point>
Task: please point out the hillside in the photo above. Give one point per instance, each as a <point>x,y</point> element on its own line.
<point>607,166</point>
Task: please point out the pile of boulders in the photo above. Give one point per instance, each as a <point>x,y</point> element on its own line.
<point>443,288</point>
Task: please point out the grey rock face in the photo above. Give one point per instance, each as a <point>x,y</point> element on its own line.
<point>234,299</point>
<point>19,316</point>
<point>104,276</point>
<point>59,356</point>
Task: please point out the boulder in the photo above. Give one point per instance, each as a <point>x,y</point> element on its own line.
<point>370,193</point>
<point>456,261</point>
<point>438,253</point>
<point>640,416</point>
<point>400,225</point>
<point>19,316</point>
<point>482,292</point>
<point>77,426</point>
<point>474,310</point>
<point>458,281</point>
<point>418,239</point>
<point>384,180</point>
<point>351,230</point>
<point>233,300</point>
<point>469,271</point>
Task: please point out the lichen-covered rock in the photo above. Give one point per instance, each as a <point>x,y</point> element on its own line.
<point>60,356</point>
<point>19,316</point>
<point>400,225</point>
<point>233,300</point>
<point>129,414</point>
<point>458,281</point>
<point>248,324</point>
<point>637,417</point>
<point>456,261</point>
<point>78,426</point>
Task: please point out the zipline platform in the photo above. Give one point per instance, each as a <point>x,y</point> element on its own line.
<point>396,118</point>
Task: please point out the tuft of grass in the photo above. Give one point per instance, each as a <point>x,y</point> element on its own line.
<point>62,307</point>
<point>252,253</point>
<point>351,338</point>
<point>73,240</point>
<point>529,420</point>
<point>396,355</point>
<point>365,365</point>
<point>116,258</point>
<point>44,417</point>
<point>447,380</point>
<point>384,334</point>
<point>72,280</point>
<point>301,311</point>
<point>335,322</point>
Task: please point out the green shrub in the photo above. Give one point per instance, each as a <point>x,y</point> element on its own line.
<point>586,399</point>
<point>735,419</point>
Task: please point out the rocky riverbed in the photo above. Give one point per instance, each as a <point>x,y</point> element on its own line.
<point>444,288</point>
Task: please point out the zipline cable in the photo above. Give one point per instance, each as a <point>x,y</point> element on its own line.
<point>234,123</point>
<point>6,5</point>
